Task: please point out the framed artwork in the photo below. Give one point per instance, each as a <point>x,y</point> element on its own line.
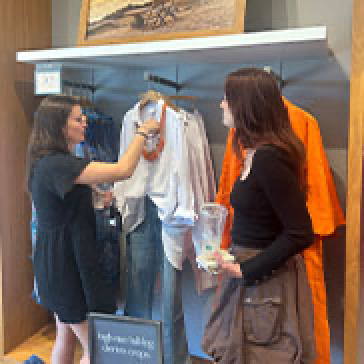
<point>126,21</point>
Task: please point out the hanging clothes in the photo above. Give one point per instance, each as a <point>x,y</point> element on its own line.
<point>101,144</point>
<point>145,260</point>
<point>179,182</point>
<point>102,136</point>
<point>166,181</point>
<point>159,205</point>
<point>204,188</point>
<point>200,156</point>
<point>322,203</point>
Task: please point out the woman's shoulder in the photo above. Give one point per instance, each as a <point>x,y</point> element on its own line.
<point>270,153</point>
<point>58,171</point>
<point>53,161</point>
<point>270,158</point>
<point>51,158</point>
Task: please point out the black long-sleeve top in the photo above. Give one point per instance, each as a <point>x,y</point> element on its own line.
<point>270,213</point>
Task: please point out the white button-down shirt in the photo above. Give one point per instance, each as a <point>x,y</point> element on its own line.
<point>166,181</point>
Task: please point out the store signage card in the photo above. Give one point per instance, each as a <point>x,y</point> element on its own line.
<point>119,339</point>
<point>47,79</point>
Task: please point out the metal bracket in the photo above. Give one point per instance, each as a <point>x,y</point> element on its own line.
<point>279,77</point>
<point>79,85</point>
<point>161,80</point>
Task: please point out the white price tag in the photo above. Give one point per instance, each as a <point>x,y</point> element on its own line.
<point>48,79</point>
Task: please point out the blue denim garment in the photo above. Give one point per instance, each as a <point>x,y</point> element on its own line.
<point>34,360</point>
<point>108,244</point>
<point>102,135</point>
<point>145,260</point>
<point>34,229</point>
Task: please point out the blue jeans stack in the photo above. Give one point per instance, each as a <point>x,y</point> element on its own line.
<point>145,260</point>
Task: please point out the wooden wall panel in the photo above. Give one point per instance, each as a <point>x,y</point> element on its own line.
<point>354,329</point>
<point>24,24</point>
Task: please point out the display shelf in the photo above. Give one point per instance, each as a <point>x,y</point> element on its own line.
<point>267,46</point>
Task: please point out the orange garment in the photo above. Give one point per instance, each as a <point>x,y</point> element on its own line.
<point>322,204</point>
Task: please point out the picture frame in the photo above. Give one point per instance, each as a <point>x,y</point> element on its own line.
<point>130,21</point>
<point>120,339</point>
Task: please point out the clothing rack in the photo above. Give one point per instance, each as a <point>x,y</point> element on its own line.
<point>161,80</point>
<point>80,85</point>
<point>166,82</point>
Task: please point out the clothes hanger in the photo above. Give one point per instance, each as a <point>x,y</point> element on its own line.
<point>155,96</point>
<point>184,97</point>
<point>189,98</point>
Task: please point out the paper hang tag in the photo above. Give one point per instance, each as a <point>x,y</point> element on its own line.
<point>48,79</point>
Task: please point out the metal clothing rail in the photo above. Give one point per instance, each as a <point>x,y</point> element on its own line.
<point>79,85</point>
<point>161,80</point>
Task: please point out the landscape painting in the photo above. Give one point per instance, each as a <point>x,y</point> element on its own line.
<point>121,21</point>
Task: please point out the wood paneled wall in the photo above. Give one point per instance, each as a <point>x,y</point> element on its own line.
<point>354,329</point>
<point>24,24</point>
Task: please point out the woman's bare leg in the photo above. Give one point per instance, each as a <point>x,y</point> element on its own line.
<point>64,347</point>
<point>81,331</point>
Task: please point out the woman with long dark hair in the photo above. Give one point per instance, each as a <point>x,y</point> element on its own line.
<point>259,317</point>
<point>65,259</point>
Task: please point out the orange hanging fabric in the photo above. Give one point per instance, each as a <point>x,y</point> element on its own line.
<point>323,206</point>
<point>154,154</point>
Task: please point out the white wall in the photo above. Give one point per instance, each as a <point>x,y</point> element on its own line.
<point>65,20</point>
<point>321,87</point>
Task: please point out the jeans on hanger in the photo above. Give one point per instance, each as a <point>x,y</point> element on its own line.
<point>145,260</point>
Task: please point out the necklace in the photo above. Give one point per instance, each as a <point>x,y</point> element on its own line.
<point>154,154</point>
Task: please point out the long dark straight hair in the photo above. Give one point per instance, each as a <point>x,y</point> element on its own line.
<point>47,136</point>
<point>261,118</point>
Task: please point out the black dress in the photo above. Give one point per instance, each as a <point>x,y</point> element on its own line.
<point>65,261</point>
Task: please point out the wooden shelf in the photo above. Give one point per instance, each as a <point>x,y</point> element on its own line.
<point>289,44</point>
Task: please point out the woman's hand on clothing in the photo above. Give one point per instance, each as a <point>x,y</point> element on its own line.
<point>232,270</point>
<point>102,199</point>
<point>105,196</point>
<point>151,126</point>
<point>99,172</point>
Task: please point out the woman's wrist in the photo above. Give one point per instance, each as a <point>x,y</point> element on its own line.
<point>143,129</point>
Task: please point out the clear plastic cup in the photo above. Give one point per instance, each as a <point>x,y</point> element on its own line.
<point>99,194</point>
<point>212,222</point>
